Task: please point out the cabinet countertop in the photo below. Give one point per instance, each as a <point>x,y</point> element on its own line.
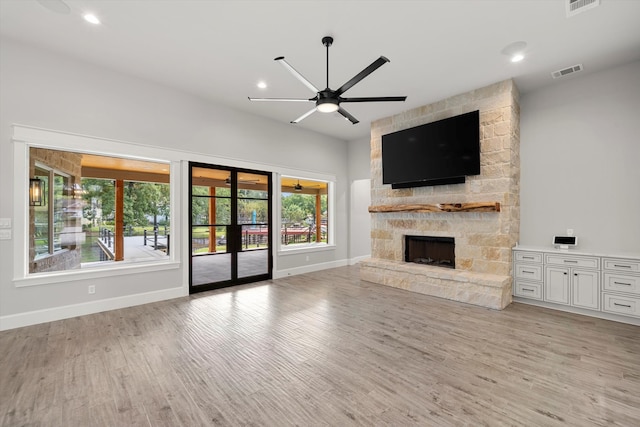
<point>552,249</point>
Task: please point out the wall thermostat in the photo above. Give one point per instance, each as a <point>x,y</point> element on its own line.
<point>565,241</point>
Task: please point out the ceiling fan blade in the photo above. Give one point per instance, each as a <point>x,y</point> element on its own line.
<point>375,99</point>
<point>282,99</point>
<point>57,6</point>
<point>362,74</point>
<point>348,116</point>
<point>304,116</point>
<point>296,74</point>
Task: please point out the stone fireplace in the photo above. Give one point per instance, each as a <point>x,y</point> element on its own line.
<point>482,214</point>
<point>430,250</point>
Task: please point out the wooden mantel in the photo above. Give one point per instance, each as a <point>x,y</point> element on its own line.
<point>439,207</point>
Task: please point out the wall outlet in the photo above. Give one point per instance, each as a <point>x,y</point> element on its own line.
<point>5,222</point>
<point>569,231</point>
<point>92,289</point>
<point>307,258</point>
<point>5,234</point>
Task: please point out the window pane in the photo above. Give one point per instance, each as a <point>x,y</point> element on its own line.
<point>61,205</point>
<point>304,211</point>
<point>75,225</point>
<point>41,217</point>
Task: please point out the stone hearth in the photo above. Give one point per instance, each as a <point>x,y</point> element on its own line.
<point>483,240</point>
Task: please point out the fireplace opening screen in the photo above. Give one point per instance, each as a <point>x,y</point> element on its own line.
<point>435,251</point>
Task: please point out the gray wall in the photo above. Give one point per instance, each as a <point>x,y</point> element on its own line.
<point>43,89</point>
<point>360,193</point>
<point>580,158</point>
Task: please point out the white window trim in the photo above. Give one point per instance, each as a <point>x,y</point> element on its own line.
<point>284,250</point>
<point>26,137</point>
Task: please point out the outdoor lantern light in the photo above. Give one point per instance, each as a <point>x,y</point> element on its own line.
<point>36,188</point>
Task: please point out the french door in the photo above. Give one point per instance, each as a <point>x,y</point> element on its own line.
<point>230,228</point>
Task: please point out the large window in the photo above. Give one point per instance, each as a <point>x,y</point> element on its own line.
<point>96,209</point>
<point>304,212</point>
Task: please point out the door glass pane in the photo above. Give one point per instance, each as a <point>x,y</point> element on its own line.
<point>210,268</point>
<point>253,263</point>
<point>251,211</point>
<point>253,186</point>
<point>202,207</point>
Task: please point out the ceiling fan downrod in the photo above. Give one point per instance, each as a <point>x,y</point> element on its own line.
<point>327,41</point>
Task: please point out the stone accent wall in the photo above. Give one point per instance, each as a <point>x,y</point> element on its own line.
<point>483,240</point>
<point>70,164</point>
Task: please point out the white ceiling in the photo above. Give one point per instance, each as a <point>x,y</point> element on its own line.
<point>219,50</point>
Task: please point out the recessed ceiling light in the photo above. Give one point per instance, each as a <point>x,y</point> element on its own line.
<point>90,17</point>
<point>261,85</point>
<point>515,51</point>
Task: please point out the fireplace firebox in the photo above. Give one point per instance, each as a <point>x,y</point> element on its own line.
<point>436,251</point>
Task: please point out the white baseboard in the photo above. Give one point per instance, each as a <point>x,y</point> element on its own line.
<point>67,311</point>
<point>309,268</point>
<point>591,313</point>
<point>354,261</point>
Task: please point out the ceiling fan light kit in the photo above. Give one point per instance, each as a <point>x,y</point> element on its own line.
<point>327,105</point>
<point>329,100</point>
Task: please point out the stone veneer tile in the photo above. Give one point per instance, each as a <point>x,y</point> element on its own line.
<point>483,240</point>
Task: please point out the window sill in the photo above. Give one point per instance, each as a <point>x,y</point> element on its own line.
<point>48,278</point>
<point>300,249</point>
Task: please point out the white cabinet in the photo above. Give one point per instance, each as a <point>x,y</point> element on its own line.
<point>556,285</point>
<point>578,282</point>
<point>528,267</point>
<point>621,286</point>
<point>572,280</point>
<point>577,287</point>
<point>585,289</point>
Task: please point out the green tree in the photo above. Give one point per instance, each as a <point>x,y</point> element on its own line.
<point>98,194</point>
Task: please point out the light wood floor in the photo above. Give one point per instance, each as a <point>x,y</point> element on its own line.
<point>321,349</point>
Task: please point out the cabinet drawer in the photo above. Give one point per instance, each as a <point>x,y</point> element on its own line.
<point>632,266</point>
<point>622,283</point>
<point>528,271</point>
<point>527,290</point>
<point>573,261</point>
<point>629,306</point>
<point>528,257</point>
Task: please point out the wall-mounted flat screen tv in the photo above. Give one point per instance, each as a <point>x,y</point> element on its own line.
<point>437,153</point>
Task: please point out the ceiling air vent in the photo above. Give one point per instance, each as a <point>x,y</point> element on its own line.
<point>577,6</point>
<point>566,71</point>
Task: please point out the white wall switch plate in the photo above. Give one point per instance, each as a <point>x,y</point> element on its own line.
<point>5,222</point>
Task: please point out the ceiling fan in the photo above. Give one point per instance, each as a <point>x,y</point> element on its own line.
<point>329,100</point>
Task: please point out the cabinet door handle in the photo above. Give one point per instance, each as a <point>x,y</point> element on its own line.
<point>527,257</point>
<point>622,305</point>
<point>528,290</point>
<point>565,273</point>
<point>622,283</point>
<point>575,274</point>
<point>571,261</point>
<point>622,265</point>
<point>527,271</point>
